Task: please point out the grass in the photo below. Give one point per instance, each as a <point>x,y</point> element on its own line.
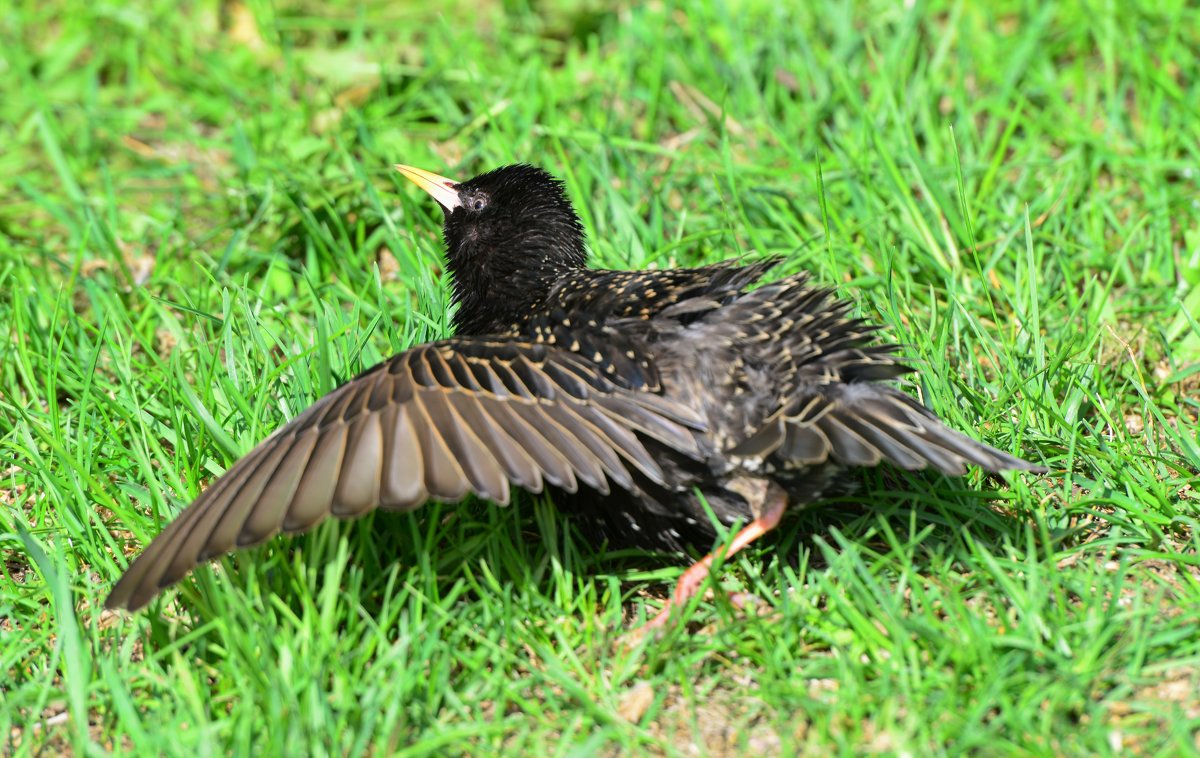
<point>200,234</point>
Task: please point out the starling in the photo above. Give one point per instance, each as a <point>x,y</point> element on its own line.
<point>648,402</point>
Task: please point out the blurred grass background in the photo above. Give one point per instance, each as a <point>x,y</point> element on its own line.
<point>200,233</point>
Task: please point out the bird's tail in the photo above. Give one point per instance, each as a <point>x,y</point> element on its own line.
<point>864,425</point>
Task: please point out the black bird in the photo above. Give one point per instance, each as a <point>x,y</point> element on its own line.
<point>632,394</point>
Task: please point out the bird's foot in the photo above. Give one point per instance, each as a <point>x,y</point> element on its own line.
<point>688,583</point>
<point>744,600</point>
<point>775,503</point>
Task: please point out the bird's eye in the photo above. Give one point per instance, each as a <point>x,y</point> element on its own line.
<point>478,204</point>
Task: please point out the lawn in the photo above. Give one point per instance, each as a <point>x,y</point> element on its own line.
<point>200,234</point>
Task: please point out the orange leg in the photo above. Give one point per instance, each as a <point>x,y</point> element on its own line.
<point>690,581</point>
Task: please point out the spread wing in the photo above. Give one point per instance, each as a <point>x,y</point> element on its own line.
<point>833,405</point>
<point>439,421</point>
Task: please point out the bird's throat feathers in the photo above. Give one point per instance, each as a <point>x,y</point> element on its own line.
<point>497,288</point>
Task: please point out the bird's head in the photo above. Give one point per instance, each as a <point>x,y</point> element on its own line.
<point>509,232</point>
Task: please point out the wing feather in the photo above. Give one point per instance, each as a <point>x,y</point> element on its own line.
<point>468,415</point>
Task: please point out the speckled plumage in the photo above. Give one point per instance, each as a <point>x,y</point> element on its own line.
<point>627,392</point>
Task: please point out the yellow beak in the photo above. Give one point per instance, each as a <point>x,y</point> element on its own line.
<point>444,190</point>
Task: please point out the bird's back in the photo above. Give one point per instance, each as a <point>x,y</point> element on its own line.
<point>740,354</point>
